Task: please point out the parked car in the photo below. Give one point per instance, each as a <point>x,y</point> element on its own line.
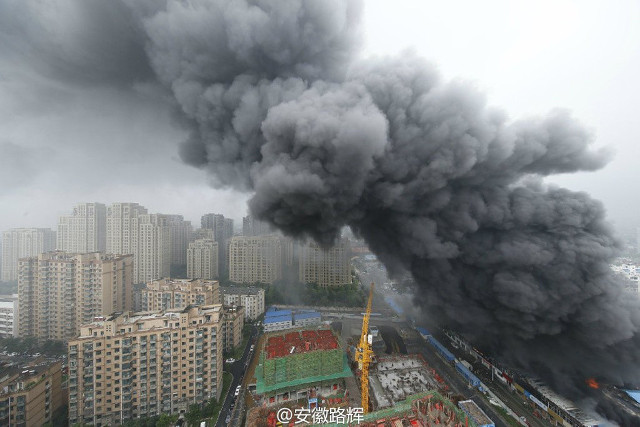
<point>230,360</point>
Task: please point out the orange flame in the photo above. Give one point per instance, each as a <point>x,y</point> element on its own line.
<point>591,382</point>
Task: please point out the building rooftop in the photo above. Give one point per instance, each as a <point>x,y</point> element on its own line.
<point>13,375</point>
<point>562,403</point>
<point>423,331</point>
<point>478,415</point>
<point>240,290</point>
<point>634,394</point>
<point>271,312</point>
<point>169,284</point>
<point>300,342</point>
<point>300,357</point>
<point>123,319</point>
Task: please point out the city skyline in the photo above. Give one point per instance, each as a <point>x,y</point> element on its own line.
<point>485,155</point>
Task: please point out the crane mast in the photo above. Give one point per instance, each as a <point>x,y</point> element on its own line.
<point>364,353</point>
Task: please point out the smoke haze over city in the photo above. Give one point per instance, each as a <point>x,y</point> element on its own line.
<point>277,102</point>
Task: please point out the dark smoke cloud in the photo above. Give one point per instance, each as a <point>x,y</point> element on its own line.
<point>79,41</point>
<point>435,181</point>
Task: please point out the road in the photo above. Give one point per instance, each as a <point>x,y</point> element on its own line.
<point>237,369</point>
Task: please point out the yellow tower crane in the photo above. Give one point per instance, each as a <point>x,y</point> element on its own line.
<point>364,354</point>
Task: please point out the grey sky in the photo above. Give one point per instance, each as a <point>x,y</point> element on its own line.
<point>63,143</point>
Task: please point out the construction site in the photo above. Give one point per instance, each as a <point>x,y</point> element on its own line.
<point>425,409</point>
<point>301,364</point>
<point>394,378</point>
<point>307,369</point>
<point>421,410</point>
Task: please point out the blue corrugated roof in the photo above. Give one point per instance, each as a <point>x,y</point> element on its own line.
<point>442,349</point>
<point>634,394</point>
<point>468,375</point>
<point>277,313</point>
<point>306,315</point>
<point>423,331</point>
<point>277,319</point>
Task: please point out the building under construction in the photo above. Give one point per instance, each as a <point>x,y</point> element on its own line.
<point>428,409</point>
<point>420,410</point>
<point>394,378</point>
<point>300,364</point>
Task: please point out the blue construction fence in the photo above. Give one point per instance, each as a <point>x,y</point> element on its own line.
<point>441,349</point>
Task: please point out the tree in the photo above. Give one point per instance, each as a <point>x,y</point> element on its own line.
<point>210,408</point>
<point>165,420</point>
<point>194,415</point>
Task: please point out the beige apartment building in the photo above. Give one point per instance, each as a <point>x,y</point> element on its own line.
<point>202,259</point>
<point>233,322</point>
<point>250,297</point>
<point>152,257</point>
<point>58,292</point>
<point>255,259</point>
<point>325,267</point>
<point>167,294</point>
<point>130,366</point>
<point>85,230</point>
<point>122,229</point>
<point>30,395</point>
<point>23,242</point>
<point>156,241</point>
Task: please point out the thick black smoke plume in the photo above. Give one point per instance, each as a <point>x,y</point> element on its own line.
<point>438,184</point>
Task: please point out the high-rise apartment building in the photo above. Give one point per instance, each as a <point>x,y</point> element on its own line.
<point>222,227</point>
<point>156,241</point>
<point>58,292</point>
<point>167,294</point>
<point>232,324</point>
<point>181,231</point>
<point>250,298</point>
<point>202,233</point>
<point>131,366</point>
<point>8,316</point>
<point>255,259</point>
<point>254,227</point>
<point>325,267</point>
<point>23,242</point>
<point>152,258</point>
<point>30,395</point>
<point>85,230</point>
<point>202,259</point>
<point>222,231</point>
<point>122,229</point>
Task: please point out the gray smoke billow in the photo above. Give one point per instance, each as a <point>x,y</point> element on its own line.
<point>278,103</point>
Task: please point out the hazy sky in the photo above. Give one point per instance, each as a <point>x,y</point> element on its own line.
<point>63,143</point>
